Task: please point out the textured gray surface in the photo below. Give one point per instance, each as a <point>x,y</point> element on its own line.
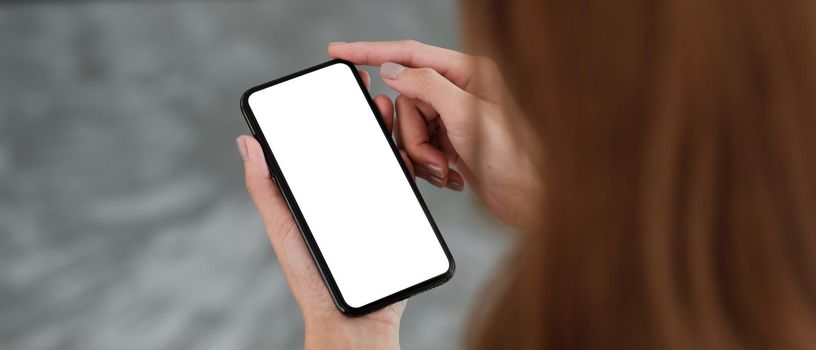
<point>123,219</point>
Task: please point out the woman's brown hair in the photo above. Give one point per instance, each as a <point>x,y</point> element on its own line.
<point>679,163</point>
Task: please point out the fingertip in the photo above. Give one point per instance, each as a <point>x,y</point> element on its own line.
<point>384,100</point>
<point>365,77</point>
<point>423,173</point>
<point>455,181</point>
<point>431,159</point>
<point>259,182</point>
<point>249,147</point>
<point>436,170</point>
<point>336,49</point>
<point>408,163</point>
<point>255,169</point>
<point>242,148</point>
<point>332,46</point>
<point>433,180</point>
<point>386,108</point>
<point>391,70</point>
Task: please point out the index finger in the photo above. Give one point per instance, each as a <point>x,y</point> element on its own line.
<point>454,65</point>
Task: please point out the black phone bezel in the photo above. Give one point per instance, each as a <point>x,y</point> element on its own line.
<point>303,226</point>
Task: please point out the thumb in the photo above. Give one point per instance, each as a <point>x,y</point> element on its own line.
<point>427,85</point>
<point>259,183</point>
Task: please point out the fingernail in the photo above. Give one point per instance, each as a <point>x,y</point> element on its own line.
<point>435,170</point>
<point>436,181</point>
<point>456,185</point>
<point>391,70</point>
<point>336,43</point>
<point>242,148</point>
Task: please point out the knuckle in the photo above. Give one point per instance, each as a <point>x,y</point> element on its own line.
<point>405,156</point>
<point>255,186</point>
<point>251,187</point>
<point>411,43</point>
<point>426,75</point>
<point>486,63</point>
<point>409,148</point>
<point>400,100</point>
<point>251,191</point>
<point>412,149</point>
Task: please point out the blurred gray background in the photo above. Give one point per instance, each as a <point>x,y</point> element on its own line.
<point>124,223</point>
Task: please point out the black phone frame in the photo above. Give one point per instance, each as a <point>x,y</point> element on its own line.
<point>303,226</point>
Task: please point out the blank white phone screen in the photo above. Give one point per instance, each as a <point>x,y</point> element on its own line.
<point>355,198</point>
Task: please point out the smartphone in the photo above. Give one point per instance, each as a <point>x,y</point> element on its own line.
<point>358,209</point>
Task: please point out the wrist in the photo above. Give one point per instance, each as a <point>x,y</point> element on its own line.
<point>350,333</point>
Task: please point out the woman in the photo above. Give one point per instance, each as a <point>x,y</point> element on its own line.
<point>657,155</point>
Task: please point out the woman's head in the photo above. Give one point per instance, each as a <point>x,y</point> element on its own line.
<point>680,170</point>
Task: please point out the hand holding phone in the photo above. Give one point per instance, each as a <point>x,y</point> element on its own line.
<point>479,134</point>
<point>352,198</point>
<point>325,327</point>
